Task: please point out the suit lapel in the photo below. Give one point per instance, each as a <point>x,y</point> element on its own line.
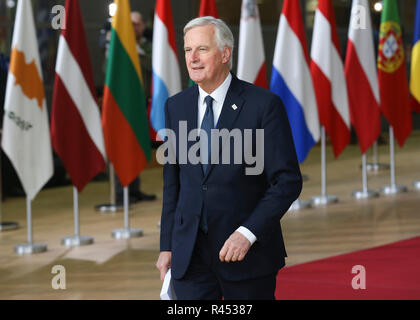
<point>231,109</point>
<point>191,110</point>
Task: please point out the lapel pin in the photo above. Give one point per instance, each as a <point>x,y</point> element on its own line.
<point>234,107</point>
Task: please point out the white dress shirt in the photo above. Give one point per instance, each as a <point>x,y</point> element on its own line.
<point>219,96</point>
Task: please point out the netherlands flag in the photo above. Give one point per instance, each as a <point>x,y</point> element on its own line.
<point>328,75</point>
<point>291,79</point>
<point>166,72</point>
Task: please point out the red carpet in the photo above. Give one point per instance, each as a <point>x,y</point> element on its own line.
<point>392,273</point>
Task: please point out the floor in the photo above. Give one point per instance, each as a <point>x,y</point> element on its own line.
<point>125,269</point>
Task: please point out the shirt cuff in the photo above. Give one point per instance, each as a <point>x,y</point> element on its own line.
<point>248,234</point>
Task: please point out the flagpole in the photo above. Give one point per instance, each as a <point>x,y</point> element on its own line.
<point>364,193</point>
<point>4,226</point>
<point>300,204</point>
<point>112,206</point>
<point>393,188</point>
<point>76,240</point>
<point>29,247</point>
<point>127,232</point>
<point>375,166</point>
<point>323,199</point>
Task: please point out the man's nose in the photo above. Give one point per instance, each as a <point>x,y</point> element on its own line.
<point>194,57</point>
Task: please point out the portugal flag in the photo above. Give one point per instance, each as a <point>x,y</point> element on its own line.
<point>124,116</point>
<point>392,76</point>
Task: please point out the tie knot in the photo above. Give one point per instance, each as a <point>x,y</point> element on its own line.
<point>209,101</point>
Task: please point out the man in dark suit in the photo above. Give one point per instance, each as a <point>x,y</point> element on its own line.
<point>220,227</point>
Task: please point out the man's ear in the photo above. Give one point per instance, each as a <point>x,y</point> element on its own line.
<point>227,52</point>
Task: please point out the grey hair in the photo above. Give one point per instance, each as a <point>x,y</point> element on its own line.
<point>224,37</point>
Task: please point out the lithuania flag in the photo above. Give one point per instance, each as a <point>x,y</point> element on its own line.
<point>392,76</point>
<point>124,116</point>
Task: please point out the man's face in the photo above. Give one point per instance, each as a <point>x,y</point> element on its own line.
<point>206,64</point>
<point>138,25</point>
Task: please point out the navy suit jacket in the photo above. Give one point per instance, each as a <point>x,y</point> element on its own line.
<point>230,197</point>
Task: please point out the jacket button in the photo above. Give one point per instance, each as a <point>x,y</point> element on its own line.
<point>204,187</point>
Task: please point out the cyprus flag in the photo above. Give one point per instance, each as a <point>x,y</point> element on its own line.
<point>25,137</point>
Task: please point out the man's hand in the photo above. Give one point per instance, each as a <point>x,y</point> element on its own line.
<point>164,263</point>
<point>235,248</point>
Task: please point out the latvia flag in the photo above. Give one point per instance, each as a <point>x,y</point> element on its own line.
<point>76,130</point>
<point>328,75</point>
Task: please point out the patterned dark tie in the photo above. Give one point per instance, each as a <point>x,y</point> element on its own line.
<point>207,125</point>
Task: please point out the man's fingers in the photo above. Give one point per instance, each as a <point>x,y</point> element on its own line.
<point>233,250</point>
<point>222,253</point>
<point>241,256</point>
<point>164,263</point>
<point>163,272</point>
<point>229,255</point>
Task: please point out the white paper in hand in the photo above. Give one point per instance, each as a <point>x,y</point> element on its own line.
<point>167,292</point>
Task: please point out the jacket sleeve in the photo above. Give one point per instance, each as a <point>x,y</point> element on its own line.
<point>170,191</point>
<point>282,171</point>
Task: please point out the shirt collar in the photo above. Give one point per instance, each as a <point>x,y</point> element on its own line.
<point>219,94</point>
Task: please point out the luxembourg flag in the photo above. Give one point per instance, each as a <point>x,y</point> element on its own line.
<point>328,75</point>
<point>251,57</point>
<point>166,71</point>
<point>291,79</point>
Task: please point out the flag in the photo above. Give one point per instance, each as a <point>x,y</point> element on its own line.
<point>361,76</point>
<point>124,116</point>
<point>328,75</point>
<point>76,130</point>
<point>291,79</point>
<point>208,8</point>
<point>166,71</point>
<point>251,57</point>
<point>415,63</point>
<point>392,76</point>
<point>26,139</point>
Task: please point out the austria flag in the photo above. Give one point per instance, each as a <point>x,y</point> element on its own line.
<point>76,130</point>
<point>291,79</point>
<point>251,57</point>
<point>361,76</point>
<point>166,71</point>
<point>328,75</point>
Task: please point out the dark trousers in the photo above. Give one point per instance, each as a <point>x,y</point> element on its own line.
<point>202,282</point>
